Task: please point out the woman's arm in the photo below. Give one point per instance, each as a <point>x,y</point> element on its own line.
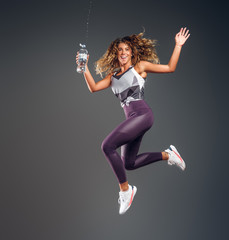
<point>92,85</point>
<point>96,86</point>
<point>180,39</point>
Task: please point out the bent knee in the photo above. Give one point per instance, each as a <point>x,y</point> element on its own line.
<point>129,166</point>
<point>103,146</point>
<point>106,146</point>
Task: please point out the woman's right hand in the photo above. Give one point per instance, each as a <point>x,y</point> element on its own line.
<point>77,58</point>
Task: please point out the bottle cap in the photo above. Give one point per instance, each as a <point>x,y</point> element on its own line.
<point>82,45</point>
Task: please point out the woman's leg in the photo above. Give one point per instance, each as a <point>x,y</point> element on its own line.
<point>133,161</point>
<point>129,130</point>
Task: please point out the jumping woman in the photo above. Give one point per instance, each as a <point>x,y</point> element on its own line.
<point>126,63</point>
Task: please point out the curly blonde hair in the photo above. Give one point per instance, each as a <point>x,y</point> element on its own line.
<point>142,49</point>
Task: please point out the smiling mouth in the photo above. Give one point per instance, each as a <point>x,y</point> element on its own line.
<point>123,57</point>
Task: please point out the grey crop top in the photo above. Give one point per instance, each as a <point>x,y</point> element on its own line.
<point>128,86</point>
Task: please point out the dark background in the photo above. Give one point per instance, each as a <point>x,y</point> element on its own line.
<point>55,180</point>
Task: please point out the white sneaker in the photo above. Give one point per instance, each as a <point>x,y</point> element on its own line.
<point>175,158</point>
<point>126,198</point>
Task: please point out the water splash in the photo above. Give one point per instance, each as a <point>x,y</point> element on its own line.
<point>87,23</point>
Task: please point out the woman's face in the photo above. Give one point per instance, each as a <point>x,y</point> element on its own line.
<point>124,54</point>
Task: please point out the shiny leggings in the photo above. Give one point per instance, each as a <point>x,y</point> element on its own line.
<point>128,135</point>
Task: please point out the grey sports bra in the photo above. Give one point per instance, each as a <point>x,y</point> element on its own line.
<point>129,86</point>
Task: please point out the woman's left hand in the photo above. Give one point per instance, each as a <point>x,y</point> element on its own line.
<point>182,36</point>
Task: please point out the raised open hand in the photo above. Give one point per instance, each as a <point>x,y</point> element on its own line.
<point>182,36</point>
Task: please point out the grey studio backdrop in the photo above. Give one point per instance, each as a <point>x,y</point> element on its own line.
<point>55,180</point>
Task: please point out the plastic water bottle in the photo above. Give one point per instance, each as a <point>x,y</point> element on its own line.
<point>82,59</point>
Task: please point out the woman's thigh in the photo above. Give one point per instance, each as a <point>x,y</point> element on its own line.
<point>130,129</point>
<point>130,150</point>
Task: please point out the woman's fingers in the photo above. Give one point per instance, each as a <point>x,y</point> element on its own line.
<point>186,34</point>
<point>182,36</point>
<point>184,31</point>
<point>77,56</point>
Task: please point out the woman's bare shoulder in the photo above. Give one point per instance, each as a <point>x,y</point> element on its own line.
<point>140,65</point>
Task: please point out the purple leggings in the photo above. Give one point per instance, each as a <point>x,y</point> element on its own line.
<point>128,135</point>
